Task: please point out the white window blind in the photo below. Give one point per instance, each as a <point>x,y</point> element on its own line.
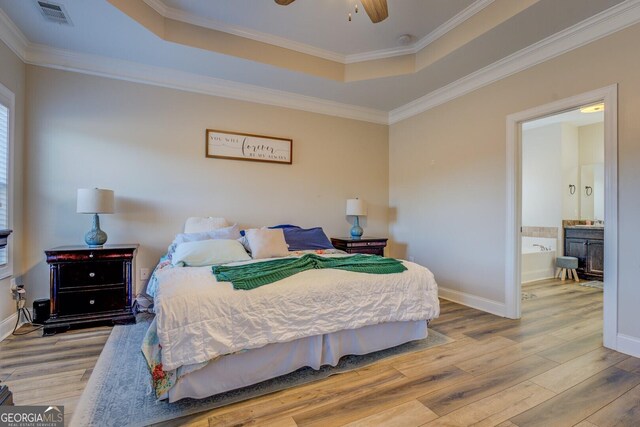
<point>4,176</point>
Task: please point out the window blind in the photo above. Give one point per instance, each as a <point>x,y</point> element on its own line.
<point>4,175</point>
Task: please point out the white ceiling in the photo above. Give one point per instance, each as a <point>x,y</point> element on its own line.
<point>101,31</point>
<point>323,23</point>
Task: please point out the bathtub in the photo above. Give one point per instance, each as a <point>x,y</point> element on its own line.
<point>538,262</point>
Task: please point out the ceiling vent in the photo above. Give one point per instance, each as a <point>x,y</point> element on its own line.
<point>53,12</point>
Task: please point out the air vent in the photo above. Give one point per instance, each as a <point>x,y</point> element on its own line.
<point>54,12</point>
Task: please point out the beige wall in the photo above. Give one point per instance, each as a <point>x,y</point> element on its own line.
<point>448,170</point>
<point>591,144</point>
<point>12,75</point>
<point>148,145</point>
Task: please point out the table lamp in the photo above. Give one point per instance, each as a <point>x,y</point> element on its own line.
<point>357,208</point>
<point>95,201</point>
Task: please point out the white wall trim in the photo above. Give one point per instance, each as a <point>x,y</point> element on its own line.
<point>598,26</point>
<point>458,19</point>
<point>535,275</point>
<point>158,76</point>
<point>514,202</point>
<point>8,98</point>
<point>607,22</point>
<point>200,21</point>
<point>480,303</point>
<point>179,15</point>
<point>7,325</point>
<point>628,345</point>
<point>12,36</point>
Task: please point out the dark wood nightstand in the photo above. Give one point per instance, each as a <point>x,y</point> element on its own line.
<point>90,286</point>
<point>364,245</point>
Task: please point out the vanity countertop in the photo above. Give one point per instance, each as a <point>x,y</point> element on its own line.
<point>582,227</point>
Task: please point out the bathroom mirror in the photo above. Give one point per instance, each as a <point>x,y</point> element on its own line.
<point>592,192</point>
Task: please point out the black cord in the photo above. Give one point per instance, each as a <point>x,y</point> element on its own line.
<point>24,312</point>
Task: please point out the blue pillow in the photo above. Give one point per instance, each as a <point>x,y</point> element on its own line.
<point>300,239</point>
<point>275,226</point>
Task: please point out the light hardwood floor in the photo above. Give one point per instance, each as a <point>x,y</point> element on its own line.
<point>547,369</point>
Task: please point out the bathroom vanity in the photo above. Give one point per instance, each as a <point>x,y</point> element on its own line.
<point>586,242</point>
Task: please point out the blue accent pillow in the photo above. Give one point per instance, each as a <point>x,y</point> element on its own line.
<point>275,226</point>
<point>300,239</point>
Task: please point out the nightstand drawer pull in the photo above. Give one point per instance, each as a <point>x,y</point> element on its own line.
<point>92,301</point>
<point>92,274</point>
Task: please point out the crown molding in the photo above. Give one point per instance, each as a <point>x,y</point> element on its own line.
<point>598,26</point>
<point>601,25</point>
<point>12,36</point>
<point>443,29</point>
<point>459,18</point>
<point>452,23</point>
<point>179,15</point>
<point>158,76</point>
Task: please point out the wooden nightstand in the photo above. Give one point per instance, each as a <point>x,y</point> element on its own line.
<point>90,286</point>
<point>365,245</point>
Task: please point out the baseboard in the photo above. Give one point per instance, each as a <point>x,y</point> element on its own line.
<point>7,325</point>
<point>473,301</point>
<point>628,345</point>
<point>533,276</point>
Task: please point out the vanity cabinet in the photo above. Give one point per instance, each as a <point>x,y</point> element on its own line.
<point>586,244</point>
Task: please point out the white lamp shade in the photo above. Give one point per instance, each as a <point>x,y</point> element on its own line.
<point>356,207</point>
<point>95,200</point>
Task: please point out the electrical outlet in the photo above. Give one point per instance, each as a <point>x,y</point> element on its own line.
<point>144,274</point>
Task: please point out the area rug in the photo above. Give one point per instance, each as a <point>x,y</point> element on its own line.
<point>594,284</point>
<point>119,393</point>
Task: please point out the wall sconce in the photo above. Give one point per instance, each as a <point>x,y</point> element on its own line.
<point>588,190</point>
<point>572,189</point>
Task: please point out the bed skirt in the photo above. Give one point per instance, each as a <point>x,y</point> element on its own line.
<point>251,367</point>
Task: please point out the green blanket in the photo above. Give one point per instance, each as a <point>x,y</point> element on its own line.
<point>251,276</point>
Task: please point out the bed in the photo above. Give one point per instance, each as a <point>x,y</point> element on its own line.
<point>208,338</point>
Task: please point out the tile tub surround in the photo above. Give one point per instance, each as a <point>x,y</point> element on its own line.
<point>545,232</point>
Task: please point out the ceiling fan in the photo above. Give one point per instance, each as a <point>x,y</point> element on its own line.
<point>376,9</point>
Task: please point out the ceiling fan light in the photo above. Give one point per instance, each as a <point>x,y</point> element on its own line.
<point>405,39</point>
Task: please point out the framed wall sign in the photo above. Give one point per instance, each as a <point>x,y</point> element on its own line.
<point>245,146</point>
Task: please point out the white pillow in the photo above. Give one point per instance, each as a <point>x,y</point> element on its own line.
<point>266,243</point>
<point>232,232</point>
<point>209,252</point>
<point>198,224</point>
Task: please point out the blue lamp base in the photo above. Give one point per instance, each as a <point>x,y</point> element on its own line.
<point>356,230</point>
<point>95,237</point>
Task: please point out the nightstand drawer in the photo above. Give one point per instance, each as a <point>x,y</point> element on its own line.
<point>74,275</point>
<point>364,245</point>
<point>70,303</point>
<point>368,251</point>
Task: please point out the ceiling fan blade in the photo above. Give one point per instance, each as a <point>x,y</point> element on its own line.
<point>284,2</point>
<point>376,9</point>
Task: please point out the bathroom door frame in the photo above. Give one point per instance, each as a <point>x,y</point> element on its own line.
<point>513,288</point>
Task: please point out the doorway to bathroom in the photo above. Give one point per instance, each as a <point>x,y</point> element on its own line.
<point>562,207</point>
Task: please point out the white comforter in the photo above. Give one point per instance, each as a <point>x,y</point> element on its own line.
<point>199,318</point>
